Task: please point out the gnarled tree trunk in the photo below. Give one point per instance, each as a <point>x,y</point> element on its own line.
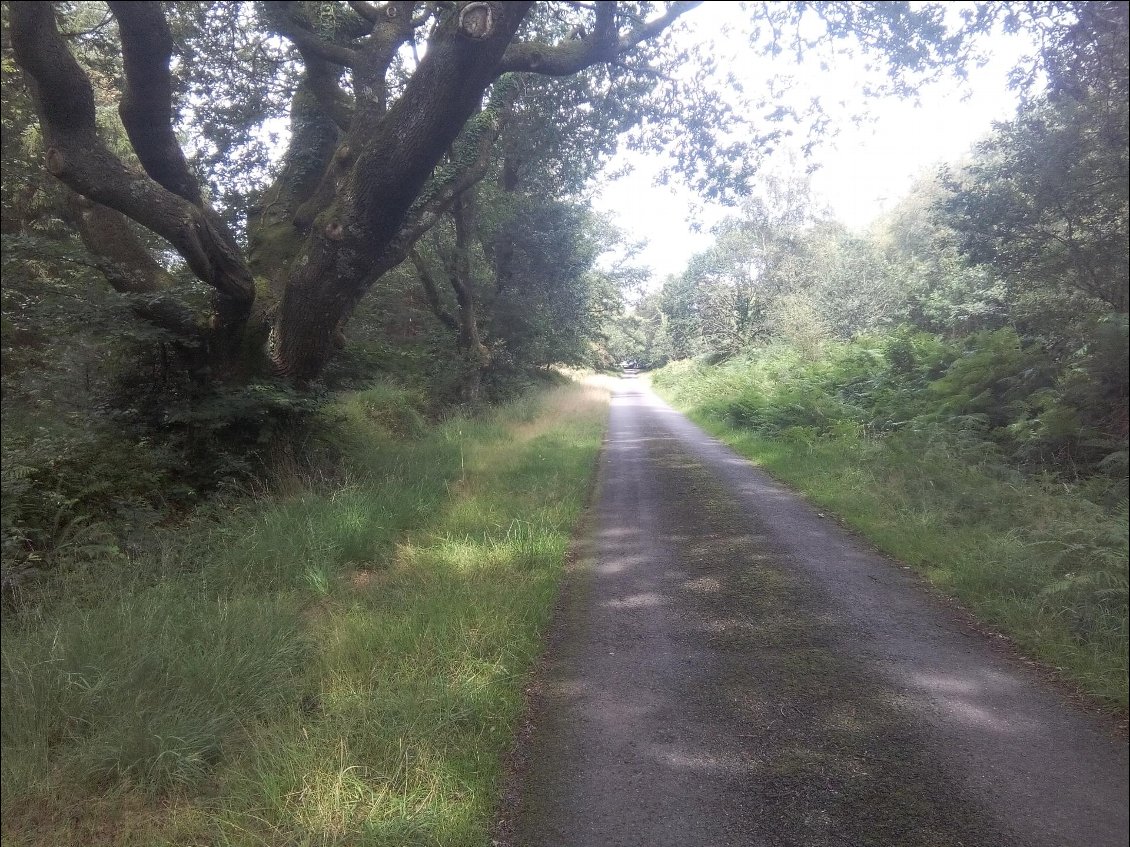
<point>347,206</point>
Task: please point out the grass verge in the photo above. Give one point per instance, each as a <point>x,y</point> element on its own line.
<point>340,665</point>
<point>1030,557</point>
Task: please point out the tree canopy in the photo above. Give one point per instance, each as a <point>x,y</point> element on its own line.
<point>395,111</point>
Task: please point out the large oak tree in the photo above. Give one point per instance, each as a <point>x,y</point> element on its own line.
<point>367,136</point>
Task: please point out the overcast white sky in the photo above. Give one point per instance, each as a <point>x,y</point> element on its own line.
<point>864,170</point>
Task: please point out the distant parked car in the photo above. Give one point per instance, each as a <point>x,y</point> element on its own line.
<point>629,370</point>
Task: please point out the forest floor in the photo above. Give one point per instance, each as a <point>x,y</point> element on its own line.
<point>729,667</point>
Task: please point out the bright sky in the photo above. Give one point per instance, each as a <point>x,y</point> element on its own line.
<point>864,170</point>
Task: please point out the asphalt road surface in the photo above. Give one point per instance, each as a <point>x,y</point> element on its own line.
<point>729,668</point>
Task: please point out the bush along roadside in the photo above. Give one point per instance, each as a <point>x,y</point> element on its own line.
<point>340,661</point>
<point>1008,496</point>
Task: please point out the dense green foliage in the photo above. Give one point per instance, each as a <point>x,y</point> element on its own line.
<point>910,441</point>
<point>1008,276</point>
<point>990,391</point>
<point>954,382</point>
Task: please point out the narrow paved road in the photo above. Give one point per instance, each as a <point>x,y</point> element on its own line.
<point>730,669</point>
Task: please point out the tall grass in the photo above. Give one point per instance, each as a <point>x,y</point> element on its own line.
<point>342,665</point>
<point>1041,559</point>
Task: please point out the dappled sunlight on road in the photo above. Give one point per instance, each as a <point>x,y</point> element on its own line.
<point>735,669</point>
<point>637,601</point>
<point>980,700</point>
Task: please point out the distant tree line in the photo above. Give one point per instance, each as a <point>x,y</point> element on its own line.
<point>1016,259</point>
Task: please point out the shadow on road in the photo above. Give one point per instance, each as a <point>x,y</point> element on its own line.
<point>722,677</point>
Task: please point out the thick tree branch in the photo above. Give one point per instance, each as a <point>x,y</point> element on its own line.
<point>393,18</point>
<point>286,19</point>
<point>427,213</point>
<point>123,259</point>
<point>603,44</point>
<point>401,21</point>
<point>431,291</point>
<point>78,156</point>
<point>459,275</point>
<point>652,28</point>
<point>146,107</point>
<point>392,29</point>
<point>368,11</point>
<point>421,17</point>
<point>275,228</point>
<point>566,57</point>
<point>169,314</point>
<point>443,93</point>
<point>322,79</point>
<point>119,255</point>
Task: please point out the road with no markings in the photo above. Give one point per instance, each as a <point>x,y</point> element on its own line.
<point>729,668</point>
